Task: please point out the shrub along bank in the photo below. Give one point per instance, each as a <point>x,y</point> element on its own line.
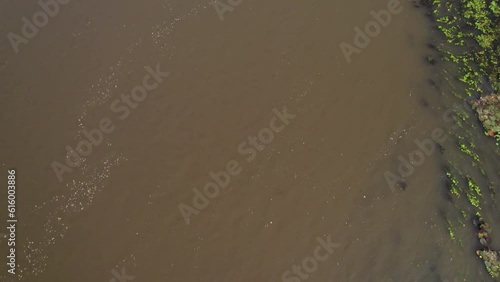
<point>470,32</point>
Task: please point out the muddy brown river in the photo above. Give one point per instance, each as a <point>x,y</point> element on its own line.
<point>246,141</point>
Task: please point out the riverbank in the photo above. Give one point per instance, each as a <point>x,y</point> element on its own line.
<point>468,49</point>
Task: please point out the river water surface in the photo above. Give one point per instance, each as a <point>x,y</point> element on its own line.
<point>320,177</point>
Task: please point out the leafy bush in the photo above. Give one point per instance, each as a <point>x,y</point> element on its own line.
<point>488,110</point>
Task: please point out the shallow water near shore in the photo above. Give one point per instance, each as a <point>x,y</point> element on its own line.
<point>322,175</point>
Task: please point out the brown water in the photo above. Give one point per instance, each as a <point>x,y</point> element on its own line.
<point>322,175</point>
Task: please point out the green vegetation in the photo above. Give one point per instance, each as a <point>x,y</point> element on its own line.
<point>471,30</point>
<point>491,261</point>
<point>490,258</point>
<point>475,24</point>
<point>453,184</point>
<point>488,110</point>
